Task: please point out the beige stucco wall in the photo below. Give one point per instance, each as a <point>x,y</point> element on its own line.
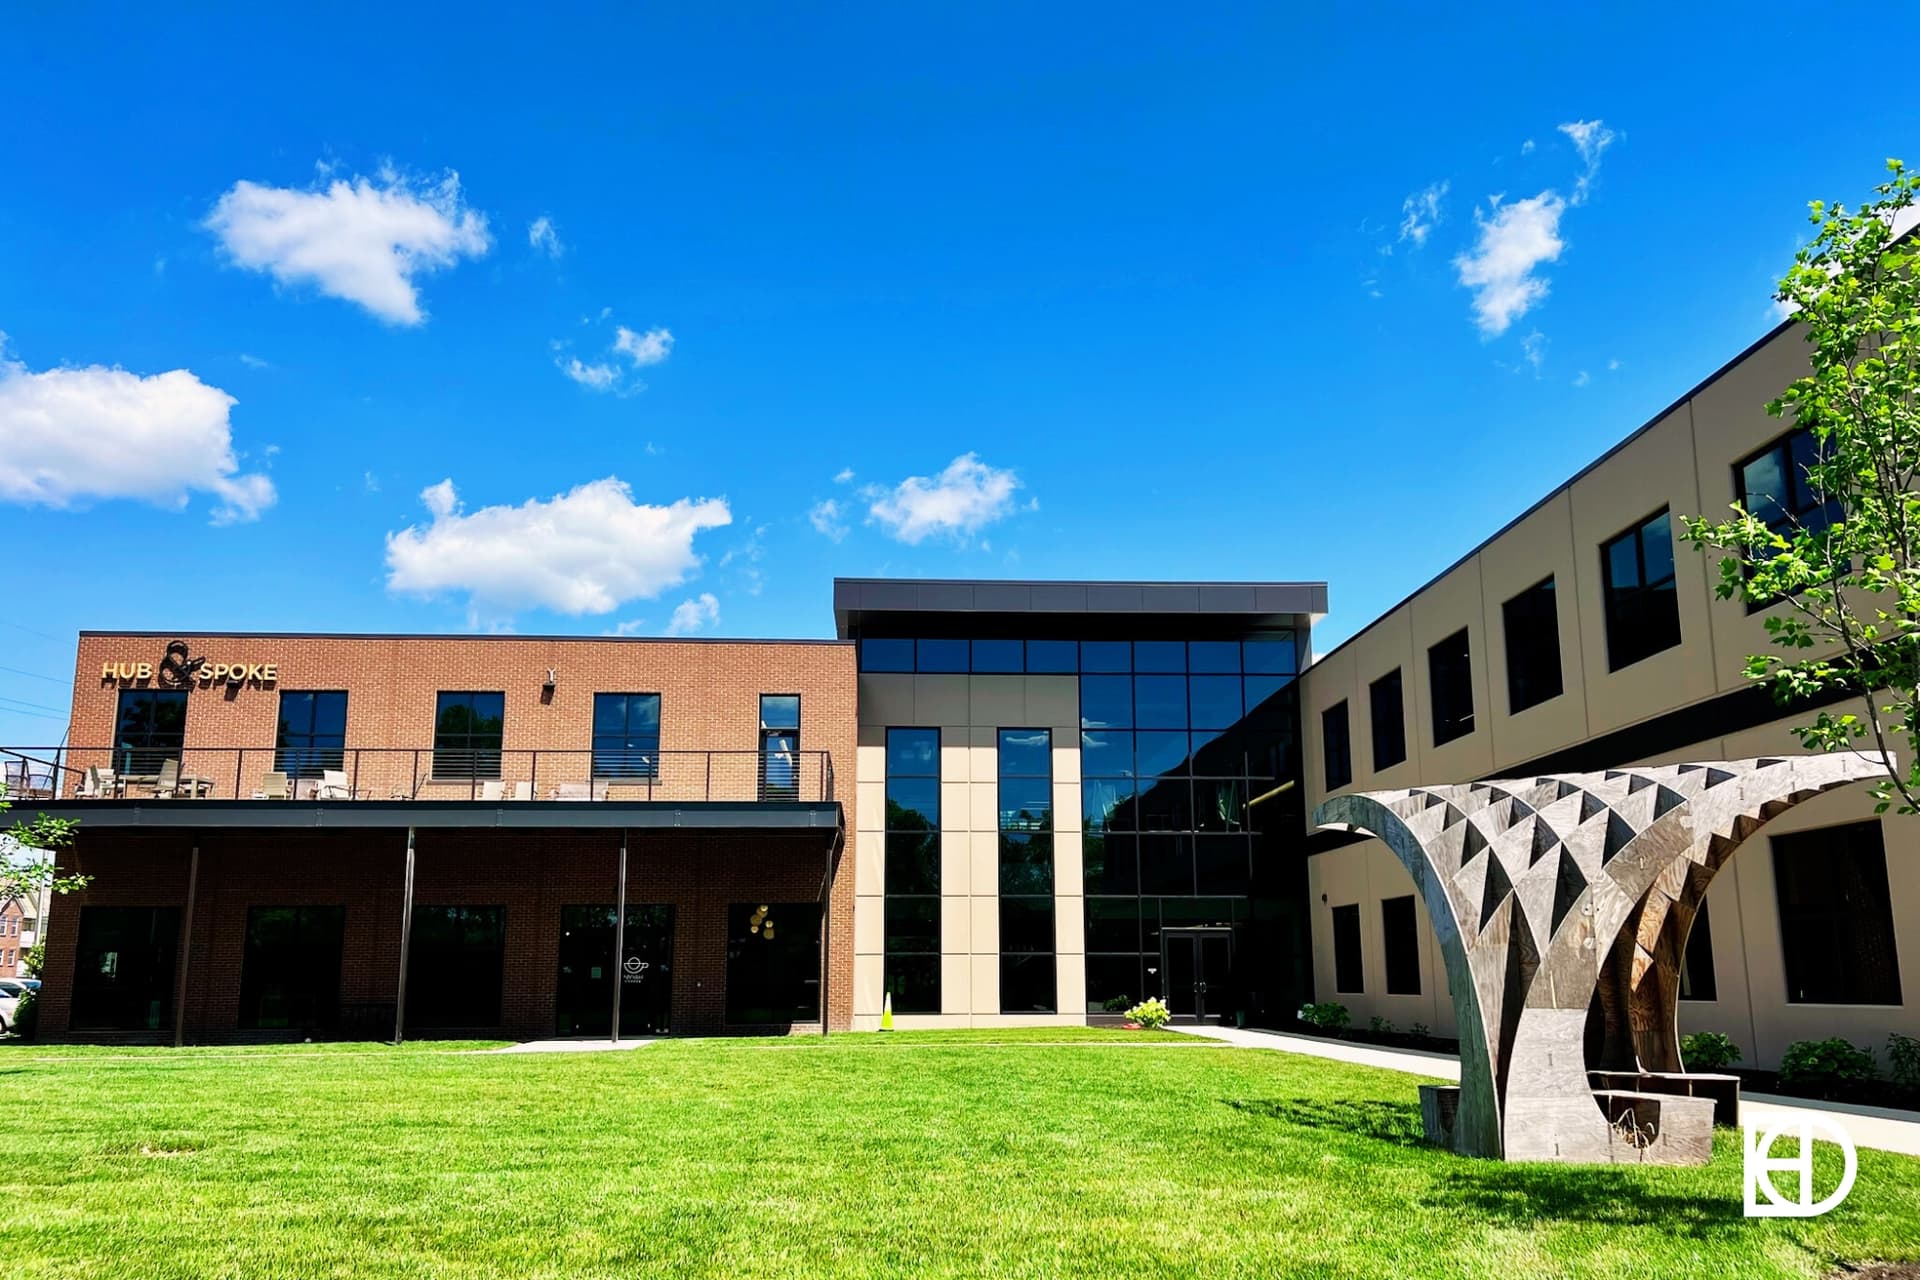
<point>969,711</point>
<point>1684,460</point>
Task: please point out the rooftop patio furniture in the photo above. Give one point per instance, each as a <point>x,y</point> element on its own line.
<point>573,791</point>
<point>98,784</point>
<point>492,790</point>
<point>167,785</point>
<point>519,791</point>
<point>334,785</point>
<point>273,786</point>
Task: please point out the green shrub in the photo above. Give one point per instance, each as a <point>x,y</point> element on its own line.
<point>1380,1026</point>
<point>26,1015</point>
<point>1903,1058</point>
<point>1708,1051</point>
<point>1821,1064</point>
<point>1328,1015</point>
<point>1422,1030</point>
<point>1151,1014</point>
<point>1116,1004</point>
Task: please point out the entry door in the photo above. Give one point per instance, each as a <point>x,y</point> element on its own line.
<point>1199,970</point>
<point>583,997</point>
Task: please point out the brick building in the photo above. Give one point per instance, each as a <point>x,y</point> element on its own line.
<point>16,935</point>
<point>280,829</point>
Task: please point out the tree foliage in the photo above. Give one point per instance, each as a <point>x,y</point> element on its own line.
<point>27,868</point>
<point>1846,591</point>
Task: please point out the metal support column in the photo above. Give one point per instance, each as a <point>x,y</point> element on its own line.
<point>186,948</point>
<point>406,944</point>
<point>826,928</point>
<point>619,935</point>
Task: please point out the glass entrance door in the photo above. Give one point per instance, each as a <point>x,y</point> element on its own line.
<point>1198,964</point>
<point>583,998</point>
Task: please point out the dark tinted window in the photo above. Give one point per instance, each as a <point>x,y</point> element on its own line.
<point>290,968</point>
<point>626,735</point>
<point>1027,971</point>
<point>1106,655</point>
<point>1271,655</point>
<point>1347,974</point>
<point>886,655</point>
<point>456,960</point>
<point>1335,746</point>
<point>1163,656</point>
<point>1773,486</point>
<point>1219,657</point>
<point>312,734</point>
<point>998,655</point>
<point>942,656</point>
<point>467,729</point>
<point>1836,918</point>
<point>123,968</point>
<point>912,942</point>
<point>1450,677</point>
<point>1532,622</point>
<point>1389,721</point>
<point>1400,931</point>
<point>1643,611</point>
<point>1106,702</point>
<point>773,963</point>
<point>1053,657</point>
<point>151,729</point>
<point>1160,702</point>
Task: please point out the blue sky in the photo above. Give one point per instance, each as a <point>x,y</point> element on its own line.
<point>1021,291</point>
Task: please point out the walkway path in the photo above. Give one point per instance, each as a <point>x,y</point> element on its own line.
<point>1881,1128</point>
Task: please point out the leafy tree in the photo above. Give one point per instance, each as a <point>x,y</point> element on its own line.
<point>1850,586</point>
<point>27,852</point>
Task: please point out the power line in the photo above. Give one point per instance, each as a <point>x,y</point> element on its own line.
<point>34,675</point>
<point>37,706</point>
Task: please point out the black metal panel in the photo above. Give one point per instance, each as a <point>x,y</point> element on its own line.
<point>557,815</point>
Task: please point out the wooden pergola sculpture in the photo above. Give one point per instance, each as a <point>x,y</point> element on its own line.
<point>1546,892</point>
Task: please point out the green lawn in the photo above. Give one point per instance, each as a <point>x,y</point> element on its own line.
<point>1081,1153</point>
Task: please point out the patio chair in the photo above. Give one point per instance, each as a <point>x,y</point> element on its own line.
<point>167,785</point>
<point>273,786</point>
<point>334,785</point>
<point>14,778</point>
<point>519,791</point>
<point>98,784</point>
<point>491,790</point>
<point>573,791</point>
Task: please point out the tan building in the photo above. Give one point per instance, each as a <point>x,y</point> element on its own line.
<point>1585,635</point>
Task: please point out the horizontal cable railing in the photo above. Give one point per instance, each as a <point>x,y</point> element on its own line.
<point>163,772</point>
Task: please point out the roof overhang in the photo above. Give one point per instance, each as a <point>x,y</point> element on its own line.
<point>716,817</point>
<point>980,608</point>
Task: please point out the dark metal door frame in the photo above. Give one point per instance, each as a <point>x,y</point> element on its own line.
<point>1195,936</point>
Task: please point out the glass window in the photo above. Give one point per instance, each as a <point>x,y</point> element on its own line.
<point>1053,657</point>
<point>456,966</point>
<point>1643,611</point>
<point>467,732</point>
<point>1532,621</point>
<point>1400,932</point>
<point>1169,656</point>
<point>626,735</point>
<point>779,746</point>
<point>1218,657</point>
<point>1334,746</point>
<point>1774,487</point>
<point>312,735</point>
<point>1696,962</point>
<point>1269,655</point>
<point>1028,983</point>
<point>1107,804</point>
<point>123,969</point>
<point>1262,690</point>
<point>1106,702</point>
<point>1110,863</point>
<point>1160,702</point>
<point>911,968</point>
<point>1160,753</point>
<point>1026,863</point>
<point>773,963</point>
<point>1347,973</point>
<point>1113,983</point>
<point>1450,677</point>
<point>1389,721</point>
<point>290,968</point>
<point>1836,917</point>
<point>1166,865</point>
<point>1106,655</point>
<point>946,657</point>
<point>1026,753</point>
<point>152,729</point>
<point>1214,701</point>
<point>998,656</point>
<point>1113,924</point>
<point>1106,753</point>
<point>1222,864</point>
<point>1025,803</point>
<point>886,655</point>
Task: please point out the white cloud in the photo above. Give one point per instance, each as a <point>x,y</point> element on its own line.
<point>1500,269</point>
<point>362,240</point>
<point>253,362</point>
<point>843,476</point>
<point>1526,148</point>
<point>650,347</point>
<point>542,237</point>
<point>828,517</point>
<point>370,482</point>
<point>1421,213</point>
<point>693,615</point>
<point>1582,378</point>
<point>598,377</point>
<point>1533,349</point>
<point>963,499</point>
<point>95,432</point>
<point>1590,139</point>
<point>584,551</point>
<point>631,627</point>
<point>1612,366</point>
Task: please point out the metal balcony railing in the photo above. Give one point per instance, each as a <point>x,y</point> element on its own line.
<point>412,773</point>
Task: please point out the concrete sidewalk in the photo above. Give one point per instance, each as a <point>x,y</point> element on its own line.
<point>598,1044</point>
<point>1880,1128</point>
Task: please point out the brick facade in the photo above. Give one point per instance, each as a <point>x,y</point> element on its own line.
<point>709,702</point>
<point>12,925</point>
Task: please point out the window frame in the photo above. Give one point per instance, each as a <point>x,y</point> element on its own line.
<point>911,975</point>
<point>462,746</point>
<point>644,768</point>
<point>1398,719</point>
<point>1624,612</point>
<point>1347,949</point>
<point>1343,777</point>
<point>1830,509</point>
<point>301,754</point>
<point>1838,925</point>
<point>1456,723</point>
<point>150,745</point>
<point>1521,675</point>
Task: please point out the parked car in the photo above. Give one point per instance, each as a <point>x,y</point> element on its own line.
<point>31,984</point>
<point>9,1001</point>
<point>14,988</point>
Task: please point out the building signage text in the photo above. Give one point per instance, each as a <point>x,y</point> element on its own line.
<point>179,669</point>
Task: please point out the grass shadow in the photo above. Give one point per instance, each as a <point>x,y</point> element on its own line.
<point>1394,1122</point>
<point>1528,1194</point>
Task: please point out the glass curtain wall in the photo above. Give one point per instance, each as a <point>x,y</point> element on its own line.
<point>912,943</point>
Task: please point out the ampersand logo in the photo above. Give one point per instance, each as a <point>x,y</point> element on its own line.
<point>177,667</point>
